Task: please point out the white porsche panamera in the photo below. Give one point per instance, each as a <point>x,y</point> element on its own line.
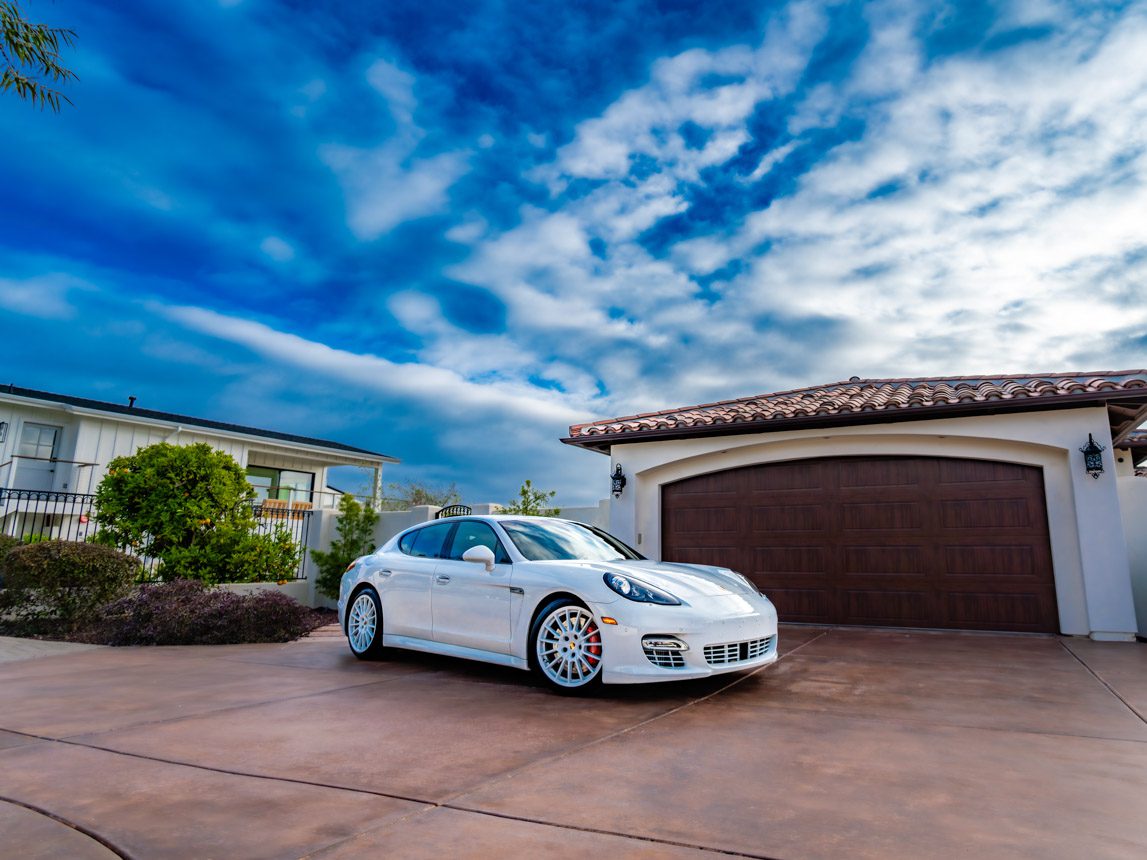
<point>568,601</point>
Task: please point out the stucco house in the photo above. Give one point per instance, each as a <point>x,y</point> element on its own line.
<point>55,449</point>
<point>962,503</point>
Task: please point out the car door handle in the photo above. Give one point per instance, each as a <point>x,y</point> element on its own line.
<point>443,579</point>
<point>384,572</point>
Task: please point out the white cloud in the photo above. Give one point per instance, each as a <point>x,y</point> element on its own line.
<point>388,184</point>
<point>385,189</point>
<point>278,249</point>
<point>448,392</point>
<point>44,296</point>
<point>1008,238</point>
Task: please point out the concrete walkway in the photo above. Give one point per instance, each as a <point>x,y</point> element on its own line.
<point>12,648</point>
<point>858,743</point>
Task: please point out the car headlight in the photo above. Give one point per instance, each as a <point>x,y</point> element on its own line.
<point>631,589</point>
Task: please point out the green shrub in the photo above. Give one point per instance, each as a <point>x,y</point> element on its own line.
<point>190,507</point>
<point>7,542</point>
<point>355,532</point>
<point>186,612</point>
<point>532,502</point>
<point>229,555</point>
<point>64,583</point>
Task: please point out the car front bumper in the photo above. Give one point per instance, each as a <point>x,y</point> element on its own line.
<point>713,635</point>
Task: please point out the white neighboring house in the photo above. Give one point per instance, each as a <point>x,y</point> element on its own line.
<point>55,450</point>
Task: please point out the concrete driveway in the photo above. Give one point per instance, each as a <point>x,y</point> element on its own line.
<point>858,743</point>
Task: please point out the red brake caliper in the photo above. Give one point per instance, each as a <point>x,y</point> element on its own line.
<point>594,646</point>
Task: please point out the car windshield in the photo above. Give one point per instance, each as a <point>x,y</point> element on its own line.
<point>561,540</point>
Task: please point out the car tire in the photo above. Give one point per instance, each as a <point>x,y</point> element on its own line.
<point>364,625</point>
<point>566,651</point>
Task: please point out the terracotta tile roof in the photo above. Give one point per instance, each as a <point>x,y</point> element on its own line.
<point>871,400</point>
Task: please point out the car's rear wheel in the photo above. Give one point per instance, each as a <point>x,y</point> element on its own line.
<point>364,625</point>
<point>566,647</point>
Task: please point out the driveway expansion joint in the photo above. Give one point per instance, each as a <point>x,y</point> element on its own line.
<point>79,828</point>
<point>1108,687</point>
<point>726,852</point>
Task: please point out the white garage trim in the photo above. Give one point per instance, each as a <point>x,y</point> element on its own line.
<point>1092,577</point>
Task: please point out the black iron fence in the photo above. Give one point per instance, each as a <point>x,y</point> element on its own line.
<point>36,515</point>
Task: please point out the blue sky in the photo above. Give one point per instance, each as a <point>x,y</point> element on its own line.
<point>447,231</point>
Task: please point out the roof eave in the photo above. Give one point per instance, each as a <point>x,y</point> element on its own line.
<point>191,424</point>
<point>603,442</point>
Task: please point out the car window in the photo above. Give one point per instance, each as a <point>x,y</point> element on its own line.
<point>473,533</point>
<point>428,541</point>
<point>562,540</point>
<point>406,542</point>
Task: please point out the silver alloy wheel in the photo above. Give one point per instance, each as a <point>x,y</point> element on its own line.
<point>362,622</point>
<point>568,646</point>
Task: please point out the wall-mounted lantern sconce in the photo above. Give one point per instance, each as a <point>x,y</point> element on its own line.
<point>3,430</point>
<point>1093,457</point>
<point>617,482</point>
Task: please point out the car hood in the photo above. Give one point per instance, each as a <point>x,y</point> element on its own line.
<point>685,581</point>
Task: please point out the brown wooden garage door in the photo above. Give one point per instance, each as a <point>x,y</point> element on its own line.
<point>901,541</point>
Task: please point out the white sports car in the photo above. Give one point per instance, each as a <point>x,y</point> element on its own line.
<point>563,599</point>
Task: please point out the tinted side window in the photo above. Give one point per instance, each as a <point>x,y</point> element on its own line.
<point>472,533</point>
<point>428,541</point>
<point>406,542</point>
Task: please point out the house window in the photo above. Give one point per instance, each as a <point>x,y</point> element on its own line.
<point>281,484</point>
<point>39,440</point>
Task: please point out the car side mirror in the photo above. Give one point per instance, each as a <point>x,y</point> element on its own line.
<point>480,555</point>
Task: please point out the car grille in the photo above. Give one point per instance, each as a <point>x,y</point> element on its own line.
<point>737,652</point>
<point>665,658</point>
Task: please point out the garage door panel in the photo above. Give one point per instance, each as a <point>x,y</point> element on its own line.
<point>788,518</point>
<point>909,560</point>
<point>886,606</point>
<point>909,541</point>
<point>983,514</point>
<point>789,560</point>
<point>990,610</point>
<point>706,520</point>
<point>1009,561</point>
<point>894,516</point>
<point>872,474</point>
<point>785,477</point>
<point>950,471</point>
<point>717,483</point>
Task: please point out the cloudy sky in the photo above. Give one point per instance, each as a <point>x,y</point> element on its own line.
<point>446,231</point>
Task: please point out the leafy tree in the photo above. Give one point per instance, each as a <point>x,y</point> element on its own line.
<point>30,55</point>
<point>191,507</point>
<point>355,537</point>
<point>404,496</point>
<point>532,503</point>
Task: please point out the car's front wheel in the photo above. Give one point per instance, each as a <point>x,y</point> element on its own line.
<point>364,625</point>
<point>566,647</point>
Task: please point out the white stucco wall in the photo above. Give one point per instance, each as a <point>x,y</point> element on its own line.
<point>594,515</point>
<point>1133,499</point>
<point>1092,579</point>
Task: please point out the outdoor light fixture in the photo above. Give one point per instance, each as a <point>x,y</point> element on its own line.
<point>3,430</point>
<point>617,482</point>
<point>1093,457</point>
